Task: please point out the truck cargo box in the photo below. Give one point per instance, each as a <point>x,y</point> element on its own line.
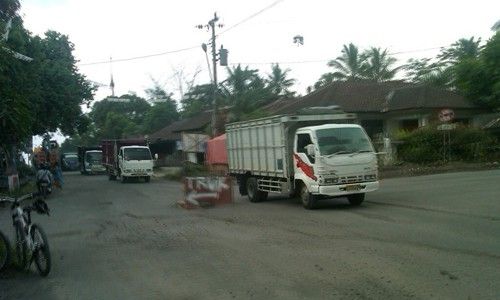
<point>263,147</point>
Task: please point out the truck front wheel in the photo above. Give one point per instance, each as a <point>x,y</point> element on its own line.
<point>356,199</point>
<point>308,200</point>
<point>253,191</point>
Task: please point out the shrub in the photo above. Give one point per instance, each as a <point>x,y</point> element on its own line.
<point>425,145</point>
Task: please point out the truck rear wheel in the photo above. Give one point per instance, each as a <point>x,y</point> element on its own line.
<point>308,200</point>
<point>356,199</point>
<point>242,186</point>
<point>253,191</point>
<point>123,179</point>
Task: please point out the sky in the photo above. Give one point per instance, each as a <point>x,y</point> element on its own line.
<point>120,29</point>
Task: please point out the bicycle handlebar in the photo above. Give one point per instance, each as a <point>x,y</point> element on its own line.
<point>16,199</point>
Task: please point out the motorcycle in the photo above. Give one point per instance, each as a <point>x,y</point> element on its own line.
<point>44,189</point>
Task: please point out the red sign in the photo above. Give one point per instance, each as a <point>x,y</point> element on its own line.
<point>200,191</point>
<point>446,115</point>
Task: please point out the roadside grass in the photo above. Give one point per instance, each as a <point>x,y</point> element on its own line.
<point>29,187</point>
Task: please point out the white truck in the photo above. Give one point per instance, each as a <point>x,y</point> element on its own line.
<point>90,159</point>
<point>312,156</point>
<point>126,159</point>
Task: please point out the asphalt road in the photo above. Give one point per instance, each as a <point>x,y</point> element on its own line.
<point>429,237</point>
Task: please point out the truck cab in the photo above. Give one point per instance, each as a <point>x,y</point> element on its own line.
<point>334,160</point>
<point>92,162</point>
<point>135,161</point>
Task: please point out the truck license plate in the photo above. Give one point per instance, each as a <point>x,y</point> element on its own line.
<point>352,187</point>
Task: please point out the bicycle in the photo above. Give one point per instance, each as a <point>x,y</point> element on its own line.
<point>31,241</point>
<point>4,251</point>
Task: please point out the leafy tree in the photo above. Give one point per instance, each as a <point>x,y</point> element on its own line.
<point>8,8</point>
<point>496,26</point>
<point>118,126</point>
<point>348,66</point>
<point>40,95</point>
<point>160,115</point>
<point>379,65</point>
<point>62,90</point>
<point>88,138</point>
<point>132,107</point>
<point>199,98</point>
<point>479,78</point>
<point>157,93</point>
<point>278,83</point>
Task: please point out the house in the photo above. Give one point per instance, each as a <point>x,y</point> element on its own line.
<point>383,108</point>
<point>182,140</point>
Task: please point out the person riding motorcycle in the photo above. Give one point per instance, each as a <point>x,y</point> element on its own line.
<point>43,175</point>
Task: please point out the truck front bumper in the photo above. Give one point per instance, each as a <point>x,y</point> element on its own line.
<point>138,174</point>
<point>345,189</point>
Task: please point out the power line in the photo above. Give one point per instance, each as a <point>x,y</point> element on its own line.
<point>251,16</point>
<point>188,48</point>
<point>140,57</point>
<point>326,60</point>
<point>418,50</point>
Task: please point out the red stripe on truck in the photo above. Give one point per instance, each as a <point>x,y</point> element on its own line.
<point>306,168</point>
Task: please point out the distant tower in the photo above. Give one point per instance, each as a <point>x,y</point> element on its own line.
<point>112,83</point>
<point>112,86</point>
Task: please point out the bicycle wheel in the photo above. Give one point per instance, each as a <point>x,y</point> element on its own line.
<point>21,247</point>
<point>4,251</point>
<point>41,254</point>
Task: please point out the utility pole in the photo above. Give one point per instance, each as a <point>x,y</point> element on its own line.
<point>211,26</point>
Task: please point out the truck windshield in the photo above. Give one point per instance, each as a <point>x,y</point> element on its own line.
<point>342,140</point>
<point>137,154</point>
<point>71,158</point>
<point>94,157</point>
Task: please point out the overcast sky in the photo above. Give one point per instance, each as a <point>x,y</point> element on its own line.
<point>122,29</point>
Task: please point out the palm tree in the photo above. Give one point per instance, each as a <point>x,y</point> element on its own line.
<point>278,83</point>
<point>348,66</point>
<point>238,80</point>
<point>324,80</point>
<point>378,65</point>
<point>244,90</point>
<point>460,50</point>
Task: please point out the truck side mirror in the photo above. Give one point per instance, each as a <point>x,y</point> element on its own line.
<point>156,156</point>
<point>310,150</point>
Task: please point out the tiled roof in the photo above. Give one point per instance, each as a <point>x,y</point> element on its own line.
<point>369,96</point>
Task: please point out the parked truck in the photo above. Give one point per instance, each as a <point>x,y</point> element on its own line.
<point>70,162</point>
<point>90,159</point>
<point>310,155</point>
<point>126,159</point>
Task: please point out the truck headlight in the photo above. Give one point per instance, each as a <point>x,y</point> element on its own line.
<point>371,177</point>
<point>332,180</point>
